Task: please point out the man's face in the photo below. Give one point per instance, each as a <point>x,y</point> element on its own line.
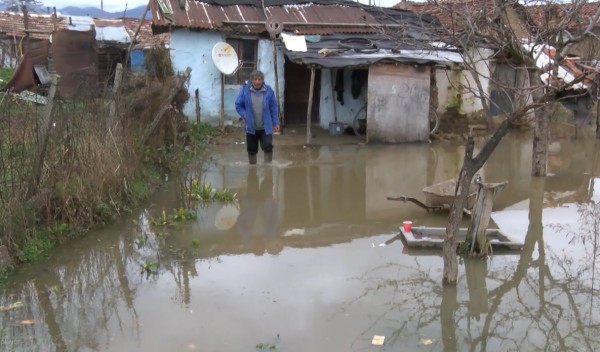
<point>257,82</point>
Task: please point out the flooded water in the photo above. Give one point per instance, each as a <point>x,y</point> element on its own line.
<point>304,262</point>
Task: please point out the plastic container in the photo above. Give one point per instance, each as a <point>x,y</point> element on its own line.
<point>336,128</point>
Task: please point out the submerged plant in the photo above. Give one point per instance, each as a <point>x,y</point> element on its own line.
<point>206,193</point>
<point>266,346</point>
<point>177,215</point>
<point>149,267</point>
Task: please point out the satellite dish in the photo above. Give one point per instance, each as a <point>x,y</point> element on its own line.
<point>225,58</point>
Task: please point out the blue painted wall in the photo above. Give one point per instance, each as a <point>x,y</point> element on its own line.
<point>136,59</point>
<point>345,113</point>
<point>193,49</point>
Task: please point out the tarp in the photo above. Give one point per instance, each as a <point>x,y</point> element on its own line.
<point>23,77</point>
<point>345,51</point>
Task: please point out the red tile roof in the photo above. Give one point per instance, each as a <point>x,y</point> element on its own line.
<point>551,14</point>
<point>41,26</point>
<point>145,38</point>
<point>452,14</point>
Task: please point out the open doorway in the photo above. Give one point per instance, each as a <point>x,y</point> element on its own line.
<point>297,88</point>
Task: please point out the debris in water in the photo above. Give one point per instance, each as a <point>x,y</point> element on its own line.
<point>378,340</point>
<point>425,342</point>
<point>294,232</point>
<point>15,305</point>
<point>28,322</point>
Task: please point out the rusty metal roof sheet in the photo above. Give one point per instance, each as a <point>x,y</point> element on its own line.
<point>324,17</point>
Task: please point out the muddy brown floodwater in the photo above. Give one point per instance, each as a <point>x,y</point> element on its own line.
<point>300,262</point>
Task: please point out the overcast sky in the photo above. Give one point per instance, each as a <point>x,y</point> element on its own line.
<point>119,5</point>
<point>109,5</point>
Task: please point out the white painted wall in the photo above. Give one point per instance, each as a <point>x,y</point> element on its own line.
<point>449,83</point>
<point>193,49</point>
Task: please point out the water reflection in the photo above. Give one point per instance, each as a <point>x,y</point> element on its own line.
<point>304,261</point>
<point>259,217</point>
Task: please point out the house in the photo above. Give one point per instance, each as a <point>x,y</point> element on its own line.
<point>549,15</point>
<point>367,60</point>
<point>144,43</point>
<point>83,50</point>
<point>501,76</point>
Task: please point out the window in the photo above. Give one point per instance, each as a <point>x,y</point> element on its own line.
<point>246,51</point>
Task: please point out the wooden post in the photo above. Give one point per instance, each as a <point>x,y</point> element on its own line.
<point>54,19</point>
<point>598,116</point>
<point>310,102</point>
<point>113,101</point>
<point>480,217</point>
<point>41,149</point>
<point>26,24</point>
<point>333,96</point>
<point>222,119</point>
<point>197,96</point>
<point>279,114</point>
<point>158,117</point>
<point>128,54</point>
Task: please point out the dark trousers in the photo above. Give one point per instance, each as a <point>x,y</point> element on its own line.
<point>252,140</point>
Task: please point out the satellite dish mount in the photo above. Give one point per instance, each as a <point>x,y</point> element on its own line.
<point>274,27</point>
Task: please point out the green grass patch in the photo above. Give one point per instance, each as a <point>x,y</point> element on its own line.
<point>203,132</point>
<point>6,73</point>
<point>176,216</point>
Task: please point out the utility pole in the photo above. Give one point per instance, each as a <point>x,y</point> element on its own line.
<point>102,8</point>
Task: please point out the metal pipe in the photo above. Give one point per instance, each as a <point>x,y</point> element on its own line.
<point>256,23</point>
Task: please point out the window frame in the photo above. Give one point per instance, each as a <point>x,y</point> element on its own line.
<point>241,75</point>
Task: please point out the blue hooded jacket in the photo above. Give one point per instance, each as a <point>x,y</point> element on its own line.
<point>243,105</point>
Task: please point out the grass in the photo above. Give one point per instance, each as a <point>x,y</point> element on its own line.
<point>202,133</point>
<point>6,73</point>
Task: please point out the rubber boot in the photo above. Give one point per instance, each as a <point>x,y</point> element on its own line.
<point>252,159</point>
<point>268,157</point>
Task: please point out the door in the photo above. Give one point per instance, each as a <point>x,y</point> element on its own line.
<point>297,88</point>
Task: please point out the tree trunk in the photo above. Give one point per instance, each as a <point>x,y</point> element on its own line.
<point>455,217</point>
<point>540,141</point>
<point>541,129</point>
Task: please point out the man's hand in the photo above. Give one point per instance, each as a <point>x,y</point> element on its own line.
<point>276,128</point>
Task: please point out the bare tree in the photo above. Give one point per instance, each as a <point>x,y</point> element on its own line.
<point>15,5</point>
<point>508,31</point>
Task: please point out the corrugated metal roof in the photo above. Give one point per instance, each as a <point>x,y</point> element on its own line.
<point>202,15</point>
<point>107,30</point>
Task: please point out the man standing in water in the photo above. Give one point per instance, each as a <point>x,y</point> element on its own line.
<point>257,105</point>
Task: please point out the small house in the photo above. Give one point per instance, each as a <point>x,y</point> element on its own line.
<point>366,63</point>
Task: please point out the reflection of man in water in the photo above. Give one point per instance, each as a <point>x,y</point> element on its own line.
<point>258,214</point>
